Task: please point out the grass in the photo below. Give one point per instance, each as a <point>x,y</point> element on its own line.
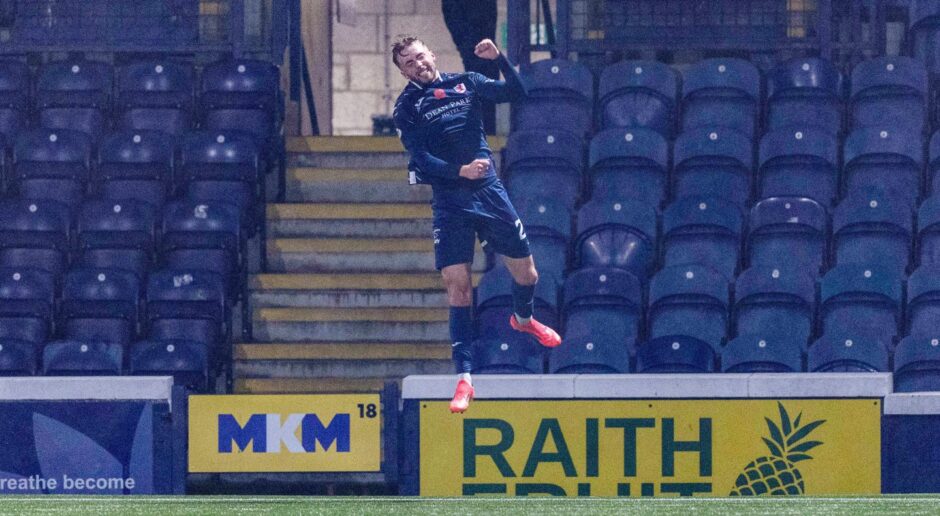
<point>387,506</point>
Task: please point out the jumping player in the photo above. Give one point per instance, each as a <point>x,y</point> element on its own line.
<point>438,116</point>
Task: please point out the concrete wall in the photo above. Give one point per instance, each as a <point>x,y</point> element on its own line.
<point>365,82</point>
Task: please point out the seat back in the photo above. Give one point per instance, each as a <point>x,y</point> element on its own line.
<point>35,233</point>
<point>639,94</point>
<point>703,230</point>
<point>805,92</point>
<point>788,232</point>
<point>887,159</point>
<point>186,361</point>
<point>760,353</point>
<point>689,300</point>
<point>617,233</point>
<point>713,162</point>
<point>82,358</point>
<point>721,92</point>
<point>801,162</point>
<point>772,301</point>
<point>559,86</point>
<point>100,305</point>
<point>917,364</point>
<point>155,95</point>
<point>847,352</point>
<point>890,92</point>
<point>630,162</point>
<point>675,354</point>
<point>863,299</point>
<point>544,162</point>
<point>872,228</point>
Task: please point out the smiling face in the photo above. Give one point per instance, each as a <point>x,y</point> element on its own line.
<point>417,63</point>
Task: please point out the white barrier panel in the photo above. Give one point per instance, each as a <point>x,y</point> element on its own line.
<point>64,388</point>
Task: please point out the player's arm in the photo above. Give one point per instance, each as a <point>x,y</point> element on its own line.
<point>512,88</point>
<point>415,142</point>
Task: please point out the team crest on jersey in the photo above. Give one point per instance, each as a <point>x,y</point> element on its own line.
<point>460,88</point>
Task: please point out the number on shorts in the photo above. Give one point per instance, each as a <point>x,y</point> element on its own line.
<point>521,229</point>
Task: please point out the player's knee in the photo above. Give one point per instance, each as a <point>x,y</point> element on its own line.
<point>529,276</point>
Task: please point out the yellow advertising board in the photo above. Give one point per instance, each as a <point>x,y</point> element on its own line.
<point>652,448</point>
<point>285,433</point>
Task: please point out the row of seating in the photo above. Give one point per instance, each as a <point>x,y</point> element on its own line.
<point>718,162</point>
<point>888,92</point>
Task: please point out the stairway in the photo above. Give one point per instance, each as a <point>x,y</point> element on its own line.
<point>350,299</point>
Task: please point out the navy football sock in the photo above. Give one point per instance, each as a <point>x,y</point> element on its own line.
<point>461,338</point>
<point>522,299</point>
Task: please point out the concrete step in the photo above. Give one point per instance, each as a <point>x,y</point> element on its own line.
<point>355,255</point>
<point>349,290</point>
<point>340,368</point>
<point>356,151</point>
<point>342,351</point>
<point>354,185</point>
<point>310,385</point>
<point>350,324</point>
<point>349,220</point>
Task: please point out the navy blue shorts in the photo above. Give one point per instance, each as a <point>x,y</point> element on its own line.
<point>462,215</point>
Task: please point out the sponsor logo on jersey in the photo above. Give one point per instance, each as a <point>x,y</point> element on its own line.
<point>460,88</point>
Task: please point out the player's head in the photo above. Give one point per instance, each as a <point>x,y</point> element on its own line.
<point>414,59</point>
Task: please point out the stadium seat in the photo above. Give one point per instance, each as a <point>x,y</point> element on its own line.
<point>705,231</point>
<point>74,95</point>
<point>713,162</point>
<point>51,164</point>
<point>136,165</point>
<point>117,234</point>
<point>847,352</point>
<point>771,301</point>
<point>544,163</point>
<point>933,167</point>
<point>548,228</point>
<point>629,163</point>
<point>617,233</point>
<point>870,227</point>
<point>222,167</point>
<point>690,300</point>
<point>882,158</point>
<point>799,162</point>
<point>27,309</point>
<point>18,358</point>
<point>917,363</point>
<point>788,232</point>
<point>862,299</point>
<point>891,93</point>
<point>675,354</point>
<point>203,236</point>
<point>14,97</point>
<point>558,86</point>
<point>155,95</point>
<point>188,305</point>
<point>721,93</point>
<point>603,312</point>
<point>769,352</point>
<point>35,233</point>
<point>639,94</point>
<point>805,92</point>
<point>82,358</point>
<point>928,232</point>
<point>923,34</point>
<point>923,301</point>
<point>100,305</point>
<point>185,360</point>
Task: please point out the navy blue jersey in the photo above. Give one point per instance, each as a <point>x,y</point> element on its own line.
<point>441,125</point>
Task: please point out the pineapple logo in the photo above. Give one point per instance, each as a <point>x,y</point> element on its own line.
<point>777,474</point>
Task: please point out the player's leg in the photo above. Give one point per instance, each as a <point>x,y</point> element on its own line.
<point>525,277</point>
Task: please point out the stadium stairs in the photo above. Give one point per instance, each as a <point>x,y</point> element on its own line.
<point>350,299</point>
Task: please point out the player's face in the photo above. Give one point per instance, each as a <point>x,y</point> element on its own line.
<point>417,64</point>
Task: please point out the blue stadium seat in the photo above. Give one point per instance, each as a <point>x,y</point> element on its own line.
<point>713,162</point>
<point>222,167</point>
<point>27,308</point>
<point>203,236</point>
<point>923,301</point>
<point>117,234</point>
<point>563,88</point>
<point>544,163</point>
<point>933,166</point>
<point>499,348</point>
<point>35,233</point>
<point>100,305</point>
<point>704,231</point>
<point>18,357</point>
<point>788,232</point>
<point>74,95</point>
<point>14,97</point>
<point>155,95</point>
<point>891,93</point>
<point>188,305</point>
<point>763,353</point>
<point>82,358</point>
<point>185,360</point>
<point>675,354</point>
<point>548,227</point>
<point>51,164</point>
<point>603,312</point>
<point>799,162</point>
<point>862,299</point>
<point>883,158</point>
<point>805,92</point>
<point>721,92</point>
<point>917,363</point>
<point>847,352</point>
<point>136,165</point>
<point>869,227</point>
<point>928,232</point>
<point>617,233</point>
<point>923,35</point>
<point>690,300</point>
<point>629,163</point>
<point>771,301</point>
<point>639,94</point>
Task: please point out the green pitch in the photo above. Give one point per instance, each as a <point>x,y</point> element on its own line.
<point>231,505</point>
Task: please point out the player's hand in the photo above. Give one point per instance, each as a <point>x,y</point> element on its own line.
<point>476,169</point>
<point>486,49</point>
